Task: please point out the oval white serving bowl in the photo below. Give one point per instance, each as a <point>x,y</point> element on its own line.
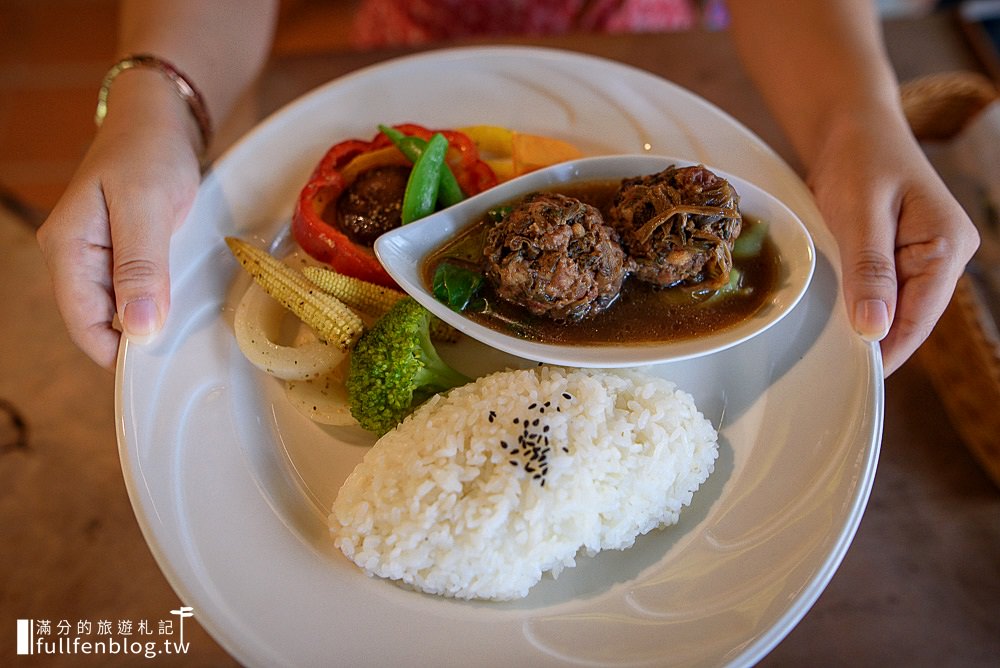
<point>403,251</point>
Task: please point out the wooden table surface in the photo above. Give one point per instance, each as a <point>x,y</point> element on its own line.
<point>920,585</point>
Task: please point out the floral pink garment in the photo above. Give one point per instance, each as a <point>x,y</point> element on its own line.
<point>412,22</point>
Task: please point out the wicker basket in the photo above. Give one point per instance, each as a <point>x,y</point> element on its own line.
<point>962,354</point>
<point>938,106</point>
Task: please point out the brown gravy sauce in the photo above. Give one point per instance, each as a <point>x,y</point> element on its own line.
<point>641,314</point>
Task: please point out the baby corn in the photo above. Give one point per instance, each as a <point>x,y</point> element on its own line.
<point>330,318</point>
<point>370,299</point>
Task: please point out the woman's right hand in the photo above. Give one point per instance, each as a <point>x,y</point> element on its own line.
<point>107,240</point>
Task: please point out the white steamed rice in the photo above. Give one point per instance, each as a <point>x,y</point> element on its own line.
<point>451,503</point>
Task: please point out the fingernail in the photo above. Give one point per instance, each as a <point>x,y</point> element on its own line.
<point>141,320</point>
<point>871,319</point>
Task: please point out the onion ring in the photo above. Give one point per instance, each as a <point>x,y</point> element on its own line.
<point>258,324</point>
<point>323,399</point>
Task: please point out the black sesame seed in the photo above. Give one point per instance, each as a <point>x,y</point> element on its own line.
<point>545,428</point>
<point>513,463</point>
<point>565,449</point>
<point>567,395</point>
<point>529,468</point>
<point>532,406</point>
<point>516,420</point>
<point>503,444</point>
<point>534,423</point>
<point>515,451</point>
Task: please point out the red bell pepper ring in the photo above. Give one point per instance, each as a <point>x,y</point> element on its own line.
<point>325,242</point>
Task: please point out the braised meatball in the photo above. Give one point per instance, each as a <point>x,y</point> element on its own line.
<point>678,226</point>
<point>555,256</point>
<point>372,204</point>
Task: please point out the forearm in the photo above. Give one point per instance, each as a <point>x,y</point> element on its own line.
<point>220,45</point>
<point>820,65</point>
<point>903,239</point>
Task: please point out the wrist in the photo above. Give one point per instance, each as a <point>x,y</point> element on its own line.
<point>875,127</point>
<point>168,74</point>
<point>143,99</point>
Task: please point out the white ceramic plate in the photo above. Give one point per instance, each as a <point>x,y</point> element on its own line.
<point>404,250</point>
<point>231,485</point>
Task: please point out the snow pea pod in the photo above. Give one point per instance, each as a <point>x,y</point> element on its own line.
<point>413,147</point>
<point>421,194</point>
<point>409,145</point>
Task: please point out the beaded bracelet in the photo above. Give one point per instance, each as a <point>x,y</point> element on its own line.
<point>185,89</point>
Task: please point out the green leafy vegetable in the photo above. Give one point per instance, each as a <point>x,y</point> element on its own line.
<point>456,286</point>
<point>732,288</point>
<point>751,241</point>
<point>498,213</point>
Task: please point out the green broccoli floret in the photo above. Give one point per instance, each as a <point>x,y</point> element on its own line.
<point>395,368</point>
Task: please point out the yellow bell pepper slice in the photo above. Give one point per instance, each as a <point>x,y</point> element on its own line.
<point>510,153</point>
<point>502,167</point>
<point>383,157</point>
<point>490,139</point>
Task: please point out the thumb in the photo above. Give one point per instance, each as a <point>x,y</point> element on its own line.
<point>140,270</point>
<point>869,285</point>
